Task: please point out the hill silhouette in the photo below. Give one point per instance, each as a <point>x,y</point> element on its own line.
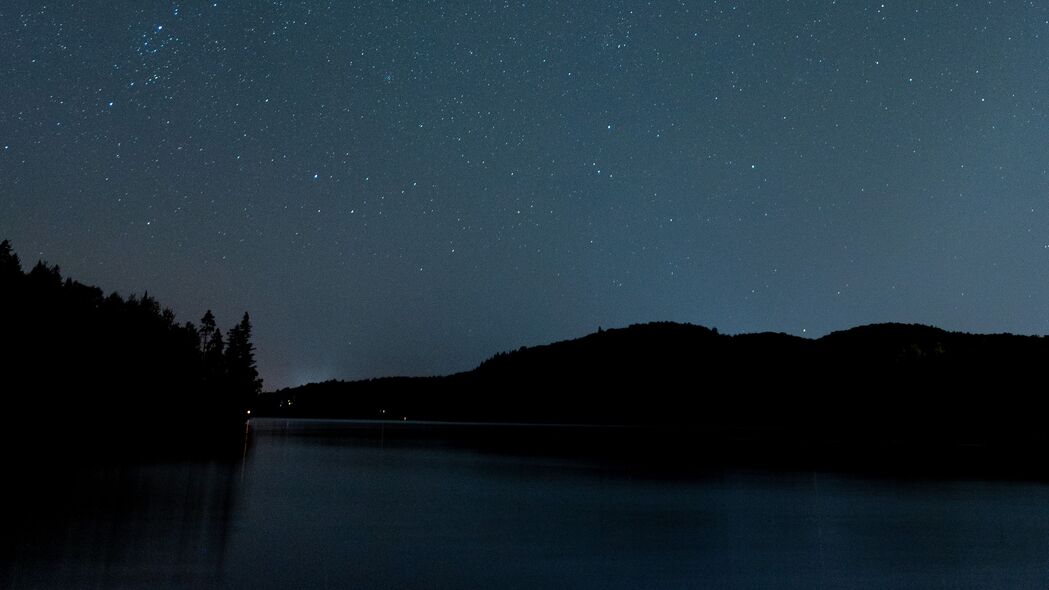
<point>862,390</point>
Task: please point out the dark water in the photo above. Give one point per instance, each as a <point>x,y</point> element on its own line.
<point>321,505</point>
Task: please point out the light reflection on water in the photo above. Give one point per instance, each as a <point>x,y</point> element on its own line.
<point>311,506</point>
<point>119,525</point>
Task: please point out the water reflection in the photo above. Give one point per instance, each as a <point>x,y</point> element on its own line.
<point>118,524</point>
<point>344,505</point>
<point>340,505</point>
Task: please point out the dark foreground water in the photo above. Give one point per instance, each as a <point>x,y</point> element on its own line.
<point>337,505</point>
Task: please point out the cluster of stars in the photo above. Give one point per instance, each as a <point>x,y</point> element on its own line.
<point>527,155</point>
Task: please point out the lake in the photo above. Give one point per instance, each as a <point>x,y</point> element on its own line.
<point>313,504</point>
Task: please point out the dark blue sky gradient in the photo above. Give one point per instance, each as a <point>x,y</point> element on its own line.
<point>410,187</point>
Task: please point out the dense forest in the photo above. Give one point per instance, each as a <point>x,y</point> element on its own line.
<point>887,385</point>
<point>108,370</point>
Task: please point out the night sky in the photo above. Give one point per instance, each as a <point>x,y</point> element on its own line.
<point>410,187</point>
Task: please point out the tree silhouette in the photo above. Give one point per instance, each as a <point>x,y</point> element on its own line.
<point>215,360</point>
<point>102,369</point>
<point>207,332</point>
<point>10,266</point>
<point>240,362</point>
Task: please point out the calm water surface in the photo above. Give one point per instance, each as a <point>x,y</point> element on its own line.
<point>338,505</point>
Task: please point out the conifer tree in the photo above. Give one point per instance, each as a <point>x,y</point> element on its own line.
<point>240,360</point>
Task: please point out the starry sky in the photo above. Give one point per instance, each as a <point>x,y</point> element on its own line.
<point>409,187</point>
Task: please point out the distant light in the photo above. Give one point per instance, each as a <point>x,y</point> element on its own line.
<point>249,412</point>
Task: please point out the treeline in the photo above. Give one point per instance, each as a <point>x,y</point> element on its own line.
<point>656,373</point>
<point>113,370</point>
<point>905,387</point>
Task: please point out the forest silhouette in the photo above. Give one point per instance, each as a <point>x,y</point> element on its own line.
<point>104,370</point>
<point>110,371</point>
<point>890,394</point>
